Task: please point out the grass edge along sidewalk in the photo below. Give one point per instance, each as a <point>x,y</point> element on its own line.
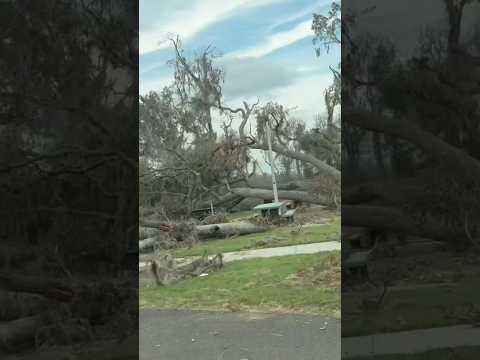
<point>297,283</point>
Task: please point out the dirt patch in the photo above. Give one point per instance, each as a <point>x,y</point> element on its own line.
<point>325,275</point>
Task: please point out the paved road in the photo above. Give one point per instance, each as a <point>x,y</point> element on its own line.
<point>278,251</point>
<point>191,335</point>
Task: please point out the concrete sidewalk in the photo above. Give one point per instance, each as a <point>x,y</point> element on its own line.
<point>303,249</point>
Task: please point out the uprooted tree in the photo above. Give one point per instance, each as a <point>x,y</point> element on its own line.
<point>424,113</point>
<point>187,162</point>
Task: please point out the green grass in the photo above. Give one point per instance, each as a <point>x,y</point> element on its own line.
<point>281,236</point>
<point>419,308</point>
<point>273,284</point>
<point>240,215</point>
<point>467,353</point>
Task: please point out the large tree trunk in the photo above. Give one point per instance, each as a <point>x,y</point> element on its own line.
<point>445,153</point>
<point>302,196</point>
<point>147,244</point>
<point>322,166</point>
<point>229,229</point>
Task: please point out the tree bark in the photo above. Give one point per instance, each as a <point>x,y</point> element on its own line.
<point>147,244</point>
<point>302,196</point>
<point>229,229</point>
<point>322,166</point>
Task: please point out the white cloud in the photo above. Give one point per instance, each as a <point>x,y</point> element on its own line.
<point>146,85</point>
<point>309,10</point>
<point>245,77</point>
<point>188,22</point>
<point>277,41</point>
<point>305,95</point>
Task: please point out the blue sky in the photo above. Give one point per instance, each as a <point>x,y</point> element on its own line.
<point>266,48</point>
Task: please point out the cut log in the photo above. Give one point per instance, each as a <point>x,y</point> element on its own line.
<point>166,273</point>
<point>147,244</point>
<point>229,229</point>
<point>302,196</point>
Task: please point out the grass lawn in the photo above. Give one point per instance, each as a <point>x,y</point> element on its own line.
<point>469,353</point>
<point>301,283</point>
<point>415,308</point>
<point>280,236</point>
<point>240,215</point>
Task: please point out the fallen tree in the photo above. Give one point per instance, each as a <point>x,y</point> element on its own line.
<point>229,229</point>
<point>302,196</point>
<point>167,241</point>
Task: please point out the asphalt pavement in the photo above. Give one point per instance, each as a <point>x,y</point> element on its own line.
<point>196,335</point>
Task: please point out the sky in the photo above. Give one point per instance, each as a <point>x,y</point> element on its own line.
<point>266,47</point>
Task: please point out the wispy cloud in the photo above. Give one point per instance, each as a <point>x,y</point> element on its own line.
<point>277,41</point>
<point>187,22</point>
<point>316,7</point>
<point>245,77</point>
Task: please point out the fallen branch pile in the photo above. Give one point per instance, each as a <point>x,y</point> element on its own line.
<point>168,236</point>
<point>166,272</point>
